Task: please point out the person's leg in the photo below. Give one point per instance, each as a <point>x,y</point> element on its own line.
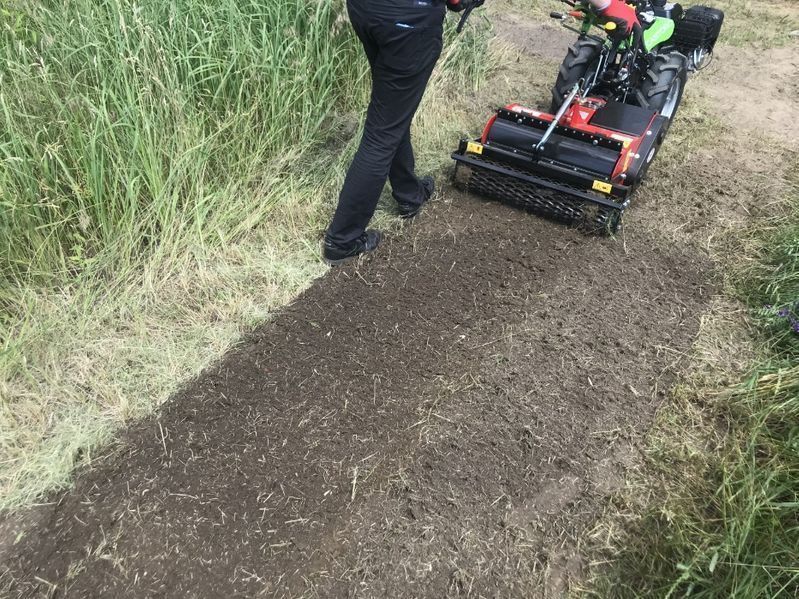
<point>405,186</point>
<point>406,56</point>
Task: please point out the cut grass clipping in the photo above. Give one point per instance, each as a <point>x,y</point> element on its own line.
<point>165,170</point>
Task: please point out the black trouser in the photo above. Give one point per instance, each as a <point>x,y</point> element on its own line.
<point>402,40</point>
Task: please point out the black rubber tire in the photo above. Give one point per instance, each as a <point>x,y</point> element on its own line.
<point>668,70</point>
<point>582,54</point>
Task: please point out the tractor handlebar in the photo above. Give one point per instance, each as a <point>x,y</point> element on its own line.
<point>467,12</point>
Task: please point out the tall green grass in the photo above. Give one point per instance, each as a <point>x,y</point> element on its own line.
<point>127,125</point>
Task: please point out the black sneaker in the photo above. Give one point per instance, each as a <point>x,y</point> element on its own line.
<point>408,210</point>
<point>335,254</point>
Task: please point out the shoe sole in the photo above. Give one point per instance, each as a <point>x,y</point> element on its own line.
<point>340,261</point>
<point>410,215</point>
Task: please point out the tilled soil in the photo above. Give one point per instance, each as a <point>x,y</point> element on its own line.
<point>443,419</point>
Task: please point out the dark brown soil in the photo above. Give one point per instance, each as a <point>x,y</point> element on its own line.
<point>440,420</point>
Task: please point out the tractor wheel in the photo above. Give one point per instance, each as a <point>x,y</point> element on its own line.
<point>664,83</point>
<point>578,62</point>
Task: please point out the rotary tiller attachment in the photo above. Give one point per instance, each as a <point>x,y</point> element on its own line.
<point>580,166</point>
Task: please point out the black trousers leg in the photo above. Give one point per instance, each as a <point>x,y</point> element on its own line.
<point>408,42</point>
<point>405,184</point>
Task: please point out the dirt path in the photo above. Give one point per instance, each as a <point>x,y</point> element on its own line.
<point>763,99</point>
<point>444,419</point>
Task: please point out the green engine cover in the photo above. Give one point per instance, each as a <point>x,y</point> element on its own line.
<point>658,32</point>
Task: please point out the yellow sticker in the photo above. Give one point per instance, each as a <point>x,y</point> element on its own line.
<point>474,148</point>
<point>602,186</point>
